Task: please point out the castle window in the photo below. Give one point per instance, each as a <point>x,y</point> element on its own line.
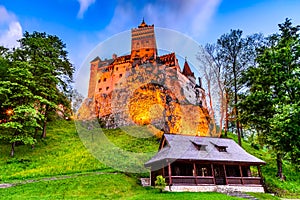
<point>107,88</point>
<point>120,75</point>
<point>104,79</point>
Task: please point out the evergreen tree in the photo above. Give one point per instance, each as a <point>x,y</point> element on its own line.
<point>272,103</point>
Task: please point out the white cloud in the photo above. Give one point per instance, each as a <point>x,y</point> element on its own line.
<point>190,16</point>
<point>84,5</point>
<point>10,28</point>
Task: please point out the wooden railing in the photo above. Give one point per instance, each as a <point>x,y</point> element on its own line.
<point>209,180</point>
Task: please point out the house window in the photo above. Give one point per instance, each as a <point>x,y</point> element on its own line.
<point>199,147</point>
<point>182,169</point>
<point>233,171</point>
<point>117,68</point>
<point>104,79</point>
<point>99,81</point>
<point>204,170</point>
<point>100,89</point>
<point>120,75</point>
<point>221,149</point>
<point>147,49</point>
<point>107,88</point>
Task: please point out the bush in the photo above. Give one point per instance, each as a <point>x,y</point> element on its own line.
<point>160,183</point>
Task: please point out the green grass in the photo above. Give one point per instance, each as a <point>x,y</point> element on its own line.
<point>64,153</point>
<point>105,186</point>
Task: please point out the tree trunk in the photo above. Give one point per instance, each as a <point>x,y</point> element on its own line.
<point>226,114</point>
<point>222,110</point>
<point>45,123</point>
<point>279,166</point>
<point>35,134</point>
<point>12,152</point>
<point>241,129</point>
<point>235,103</point>
<point>44,128</point>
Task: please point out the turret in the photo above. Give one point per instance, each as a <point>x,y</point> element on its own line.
<point>93,76</point>
<point>143,42</point>
<point>188,72</point>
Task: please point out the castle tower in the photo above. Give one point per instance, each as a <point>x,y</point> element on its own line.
<point>188,72</point>
<point>143,43</point>
<point>93,76</point>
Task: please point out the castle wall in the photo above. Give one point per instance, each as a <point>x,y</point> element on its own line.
<point>142,88</point>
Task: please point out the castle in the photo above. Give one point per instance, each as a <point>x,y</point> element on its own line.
<point>144,88</point>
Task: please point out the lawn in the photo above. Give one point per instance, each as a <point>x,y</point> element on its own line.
<point>103,186</point>
<point>63,154</point>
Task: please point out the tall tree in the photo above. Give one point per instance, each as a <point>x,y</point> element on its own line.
<point>19,105</point>
<point>52,69</point>
<point>272,103</point>
<point>229,58</point>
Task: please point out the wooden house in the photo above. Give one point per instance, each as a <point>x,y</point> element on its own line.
<point>206,163</point>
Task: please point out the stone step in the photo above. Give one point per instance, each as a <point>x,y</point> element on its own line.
<point>242,195</point>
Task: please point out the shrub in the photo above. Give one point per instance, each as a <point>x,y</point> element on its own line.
<point>160,183</point>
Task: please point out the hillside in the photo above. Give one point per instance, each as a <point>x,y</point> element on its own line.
<point>61,167</point>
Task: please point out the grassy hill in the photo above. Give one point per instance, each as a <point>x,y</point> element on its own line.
<point>60,166</point>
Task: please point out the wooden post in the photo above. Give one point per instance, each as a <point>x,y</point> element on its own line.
<point>225,174</point>
<point>170,174</point>
<point>163,171</point>
<point>213,173</point>
<point>241,173</point>
<point>195,173</point>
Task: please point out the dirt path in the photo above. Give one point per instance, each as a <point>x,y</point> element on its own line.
<point>53,178</point>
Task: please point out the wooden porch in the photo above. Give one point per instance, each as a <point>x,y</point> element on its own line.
<point>198,173</point>
<point>199,180</point>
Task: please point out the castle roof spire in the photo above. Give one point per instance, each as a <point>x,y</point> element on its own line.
<point>187,70</point>
<point>143,24</point>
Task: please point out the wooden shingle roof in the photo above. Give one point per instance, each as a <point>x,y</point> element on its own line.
<point>184,147</point>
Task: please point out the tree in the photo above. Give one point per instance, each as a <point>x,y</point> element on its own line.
<point>34,80</point>
<point>272,103</point>
<point>52,70</point>
<point>228,59</point>
<point>18,104</point>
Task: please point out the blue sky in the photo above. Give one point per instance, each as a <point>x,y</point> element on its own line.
<point>82,24</point>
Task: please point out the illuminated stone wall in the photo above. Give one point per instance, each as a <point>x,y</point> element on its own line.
<point>145,89</point>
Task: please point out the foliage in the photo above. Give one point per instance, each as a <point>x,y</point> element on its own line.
<point>160,183</point>
<point>271,105</point>
<point>51,69</point>
<point>34,81</point>
<point>229,58</point>
<point>18,103</point>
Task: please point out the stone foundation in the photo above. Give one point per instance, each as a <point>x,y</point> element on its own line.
<point>216,188</point>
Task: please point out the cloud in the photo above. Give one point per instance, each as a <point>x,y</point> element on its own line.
<point>84,5</point>
<point>190,16</point>
<point>10,28</point>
